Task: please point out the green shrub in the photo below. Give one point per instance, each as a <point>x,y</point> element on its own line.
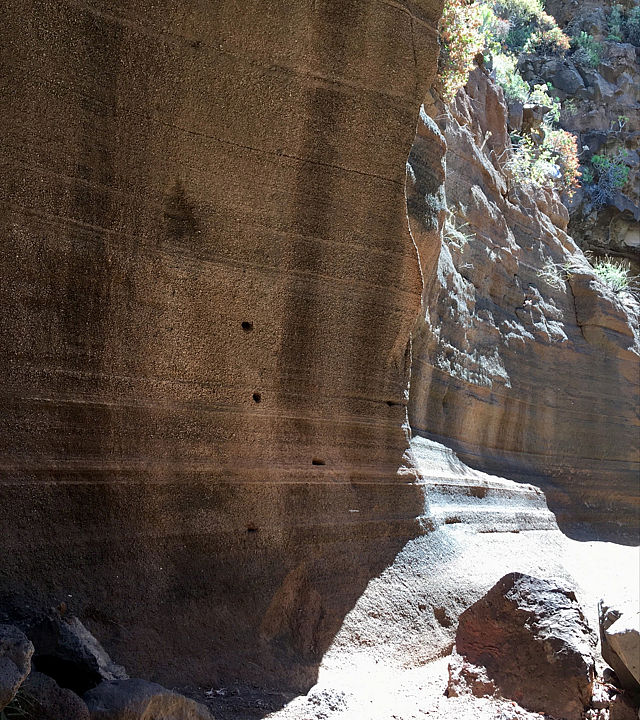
<point>530,28</point>
<point>615,274</point>
<point>589,47</point>
<point>540,96</point>
<point>554,163</point>
<point>631,26</point>
<point>515,87</point>
<point>615,21</point>
<point>609,174</point>
<point>460,42</point>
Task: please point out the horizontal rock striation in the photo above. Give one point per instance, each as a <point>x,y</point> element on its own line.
<point>208,291</point>
<point>525,369</point>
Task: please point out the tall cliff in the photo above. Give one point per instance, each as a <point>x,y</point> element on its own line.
<point>208,292</point>
<point>524,362</point>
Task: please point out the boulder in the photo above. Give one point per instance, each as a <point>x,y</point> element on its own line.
<point>48,701</point>
<point>534,641</point>
<point>620,640</point>
<point>141,700</point>
<point>69,653</point>
<point>15,662</point>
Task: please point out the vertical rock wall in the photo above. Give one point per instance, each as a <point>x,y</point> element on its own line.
<point>208,290</point>
<point>524,369</point>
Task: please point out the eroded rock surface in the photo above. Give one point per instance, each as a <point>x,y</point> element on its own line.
<point>208,291</point>
<point>527,370</point>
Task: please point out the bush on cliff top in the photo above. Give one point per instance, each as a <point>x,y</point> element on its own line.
<point>460,42</point>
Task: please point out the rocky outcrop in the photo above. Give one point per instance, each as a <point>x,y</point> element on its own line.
<point>535,644</point>
<point>601,105</point>
<point>15,662</point>
<point>48,701</point>
<point>141,700</point>
<point>208,291</point>
<point>523,361</point>
<point>68,652</point>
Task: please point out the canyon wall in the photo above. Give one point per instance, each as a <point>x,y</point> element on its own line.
<point>208,292</point>
<point>524,368</point>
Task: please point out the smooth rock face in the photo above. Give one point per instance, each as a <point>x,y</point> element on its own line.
<point>208,292</point>
<point>141,700</point>
<point>15,662</point>
<point>48,701</point>
<point>527,371</point>
<point>536,646</point>
<point>620,641</point>
<point>68,652</point>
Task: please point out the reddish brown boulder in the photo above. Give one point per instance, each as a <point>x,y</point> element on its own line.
<point>534,642</point>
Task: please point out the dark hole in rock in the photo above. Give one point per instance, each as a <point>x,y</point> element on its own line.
<point>247,326</point>
<point>252,529</point>
<point>442,617</point>
<point>478,492</point>
<point>317,461</point>
<point>75,676</point>
<point>256,397</point>
<point>391,403</point>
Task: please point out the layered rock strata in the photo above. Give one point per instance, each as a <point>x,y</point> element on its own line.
<point>523,361</point>
<point>208,291</point>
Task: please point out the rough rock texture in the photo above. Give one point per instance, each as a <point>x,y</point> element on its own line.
<point>48,701</point>
<point>15,662</point>
<point>527,371</point>
<point>604,113</point>
<point>208,291</point>
<point>620,640</point>
<point>68,652</point>
<point>141,700</point>
<point>534,641</point>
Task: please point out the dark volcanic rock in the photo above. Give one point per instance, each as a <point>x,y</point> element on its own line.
<point>69,653</point>
<point>15,662</point>
<point>138,700</point>
<point>534,641</point>
<point>48,701</point>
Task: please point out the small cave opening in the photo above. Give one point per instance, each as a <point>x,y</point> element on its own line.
<point>257,397</point>
<point>318,461</point>
<point>247,326</point>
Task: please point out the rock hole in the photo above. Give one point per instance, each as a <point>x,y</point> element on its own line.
<point>317,461</point>
<point>256,397</point>
<point>478,492</point>
<point>442,617</point>
<point>252,529</point>
<point>247,326</point>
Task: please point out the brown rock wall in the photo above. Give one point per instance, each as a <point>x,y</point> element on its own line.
<point>523,369</point>
<point>208,290</point>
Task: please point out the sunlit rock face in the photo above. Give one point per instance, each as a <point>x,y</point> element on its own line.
<point>208,291</point>
<point>525,370</point>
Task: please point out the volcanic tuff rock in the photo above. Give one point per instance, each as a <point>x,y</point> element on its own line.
<point>534,641</point>
<point>208,291</point>
<point>527,370</point>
